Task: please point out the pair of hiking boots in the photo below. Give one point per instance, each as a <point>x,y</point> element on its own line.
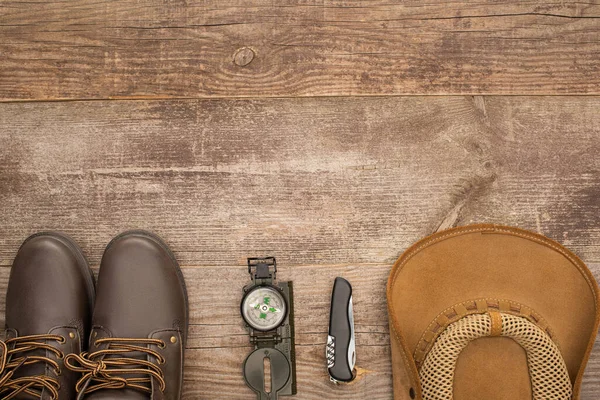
<point>68,339</point>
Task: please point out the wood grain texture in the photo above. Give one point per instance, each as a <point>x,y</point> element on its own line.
<point>331,186</point>
<point>84,49</point>
<point>325,181</point>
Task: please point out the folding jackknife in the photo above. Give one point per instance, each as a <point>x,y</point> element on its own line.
<point>341,352</point>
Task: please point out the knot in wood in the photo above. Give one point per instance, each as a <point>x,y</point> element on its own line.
<point>243,56</point>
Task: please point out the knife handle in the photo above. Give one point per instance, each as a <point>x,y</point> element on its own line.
<point>340,342</point>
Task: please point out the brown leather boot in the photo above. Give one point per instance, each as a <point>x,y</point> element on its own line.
<point>139,326</point>
<point>48,310</point>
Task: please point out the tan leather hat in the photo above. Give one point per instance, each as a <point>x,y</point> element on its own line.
<point>490,312</point>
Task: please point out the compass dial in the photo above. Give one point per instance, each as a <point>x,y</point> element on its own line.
<point>264,308</point>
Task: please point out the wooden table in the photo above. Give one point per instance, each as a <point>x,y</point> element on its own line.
<point>302,129</point>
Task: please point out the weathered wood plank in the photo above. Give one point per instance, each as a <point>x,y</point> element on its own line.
<point>218,343</point>
<point>312,290</point>
<point>85,49</point>
<point>312,180</point>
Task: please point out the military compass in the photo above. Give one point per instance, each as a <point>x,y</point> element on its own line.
<point>267,310</point>
<point>264,308</point>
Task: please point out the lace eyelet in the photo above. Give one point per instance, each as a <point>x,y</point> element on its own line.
<point>61,356</point>
<point>162,345</point>
<point>62,340</point>
<point>162,361</point>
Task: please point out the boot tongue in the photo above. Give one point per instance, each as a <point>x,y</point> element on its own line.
<point>117,394</point>
<point>38,369</point>
<point>31,327</point>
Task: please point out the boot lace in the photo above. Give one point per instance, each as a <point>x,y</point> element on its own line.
<point>14,356</point>
<point>116,370</point>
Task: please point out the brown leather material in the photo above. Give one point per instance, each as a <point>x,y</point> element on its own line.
<point>50,292</point>
<point>140,295</point>
<point>489,268</point>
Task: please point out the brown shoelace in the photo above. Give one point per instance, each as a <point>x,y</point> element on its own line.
<point>100,372</point>
<point>13,359</point>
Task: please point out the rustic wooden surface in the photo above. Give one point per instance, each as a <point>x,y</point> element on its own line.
<point>85,49</point>
<point>331,186</point>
